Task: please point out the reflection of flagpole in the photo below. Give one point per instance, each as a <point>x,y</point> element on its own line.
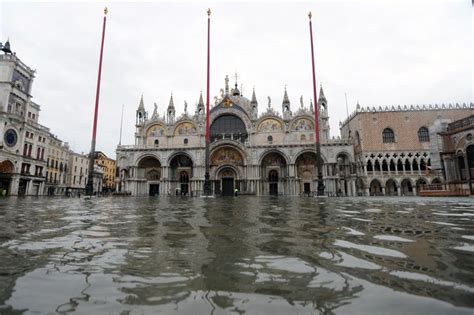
<point>316,117</point>
<point>90,178</point>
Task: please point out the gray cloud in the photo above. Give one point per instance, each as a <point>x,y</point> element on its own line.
<point>379,53</point>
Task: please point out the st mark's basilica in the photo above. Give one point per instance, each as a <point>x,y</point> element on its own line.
<point>261,154</point>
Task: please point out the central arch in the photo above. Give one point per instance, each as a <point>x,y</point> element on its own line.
<point>227,165</point>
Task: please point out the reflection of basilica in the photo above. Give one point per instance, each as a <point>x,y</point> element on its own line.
<point>266,154</point>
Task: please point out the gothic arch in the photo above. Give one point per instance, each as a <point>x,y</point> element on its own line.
<point>375,187</point>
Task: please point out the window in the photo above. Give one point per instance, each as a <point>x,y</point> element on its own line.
<point>357,138</point>
<point>270,139</point>
<point>186,140</point>
<point>423,134</point>
<point>388,136</point>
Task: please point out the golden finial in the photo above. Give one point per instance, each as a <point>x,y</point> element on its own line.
<point>209,12</point>
<point>310,15</point>
<point>106,11</point>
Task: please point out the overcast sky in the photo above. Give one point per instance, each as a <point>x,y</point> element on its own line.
<point>386,53</point>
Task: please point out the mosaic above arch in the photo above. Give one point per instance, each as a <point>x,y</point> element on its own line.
<point>185,128</point>
<point>270,124</point>
<point>156,130</point>
<point>302,124</point>
<point>227,155</point>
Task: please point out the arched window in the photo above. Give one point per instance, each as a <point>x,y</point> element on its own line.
<point>423,134</point>
<point>186,140</point>
<point>357,138</point>
<point>157,142</point>
<point>388,136</point>
<point>270,139</point>
<point>228,124</point>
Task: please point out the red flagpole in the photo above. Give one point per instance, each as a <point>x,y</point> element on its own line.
<point>90,186</point>
<point>208,73</point>
<point>320,188</point>
<point>207,190</point>
<point>316,110</point>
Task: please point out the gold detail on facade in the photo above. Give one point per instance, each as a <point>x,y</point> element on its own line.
<point>227,156</point>
<point>270,125</point>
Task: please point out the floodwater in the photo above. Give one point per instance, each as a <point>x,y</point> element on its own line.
<point>242,255</point>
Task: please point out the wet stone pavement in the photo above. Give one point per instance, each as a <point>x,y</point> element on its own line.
<point>243,255</point>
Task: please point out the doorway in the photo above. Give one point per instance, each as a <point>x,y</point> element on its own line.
<point>228,186</point>
<point>306,188</point>
<point>154,190</point>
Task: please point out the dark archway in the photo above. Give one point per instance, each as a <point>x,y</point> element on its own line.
<point>6,170</point>
<point>274,170</point>
<point>406,187</point>
<point>390,188</point>
<point>375,188</point>
<point>181,170</point>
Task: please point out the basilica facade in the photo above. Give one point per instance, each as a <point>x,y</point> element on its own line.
<point>251,151</point>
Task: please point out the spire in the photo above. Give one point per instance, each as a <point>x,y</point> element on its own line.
<point>141,106</point>
<point>201,101</point>
<point>286,100</point>
<point>171,104</point>
<point>321,94</point>
<point>254,98</point>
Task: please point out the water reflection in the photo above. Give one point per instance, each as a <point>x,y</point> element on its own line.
<point>236,255</point>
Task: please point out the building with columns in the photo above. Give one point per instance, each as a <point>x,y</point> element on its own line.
<point>397,149</point>
<point>457,154</point>
<point>259,152</point>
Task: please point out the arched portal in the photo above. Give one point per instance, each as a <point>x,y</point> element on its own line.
<point>375,188</point>
<point>390,188</point>
<point>149,168</point>
<point>6,170</point>
<point>306,170</point>
<point>231,159</point>
<point>406,187</point>
<point>227,178</point>
<point>181,170</point>
<point>274,171</point>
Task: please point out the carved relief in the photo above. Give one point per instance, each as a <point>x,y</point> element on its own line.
<point>227,156</point>
<point>185,128</point>
<point>156,131</point>
<point>303,124</point>
<point>270,125</point>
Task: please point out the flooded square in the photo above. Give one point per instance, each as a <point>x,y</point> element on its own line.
<point>244,255</point>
